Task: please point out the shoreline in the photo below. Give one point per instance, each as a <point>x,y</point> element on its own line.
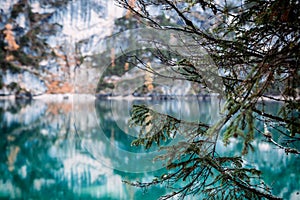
<point>70,96</point>
<point>53,97</point>
<point>89,97</point>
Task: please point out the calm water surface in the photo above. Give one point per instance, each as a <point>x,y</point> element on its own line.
<point>81,150</point>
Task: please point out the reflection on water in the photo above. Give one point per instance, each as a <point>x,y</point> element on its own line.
<point>81,150</point>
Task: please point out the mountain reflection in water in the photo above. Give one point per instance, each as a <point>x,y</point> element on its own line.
<point>81,150</point>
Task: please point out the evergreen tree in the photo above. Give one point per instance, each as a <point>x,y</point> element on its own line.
<point>255,44</point>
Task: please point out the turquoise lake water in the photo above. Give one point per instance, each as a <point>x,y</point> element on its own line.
<point>81,150</point>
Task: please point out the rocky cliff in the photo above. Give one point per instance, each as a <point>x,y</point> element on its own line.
<point>42,42</point>
<point>61,46</point>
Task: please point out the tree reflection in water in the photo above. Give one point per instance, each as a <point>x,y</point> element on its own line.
<point>43,156</point>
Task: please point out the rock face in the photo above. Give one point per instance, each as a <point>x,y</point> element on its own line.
<point>58,47</point>
<point>43,42</point>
